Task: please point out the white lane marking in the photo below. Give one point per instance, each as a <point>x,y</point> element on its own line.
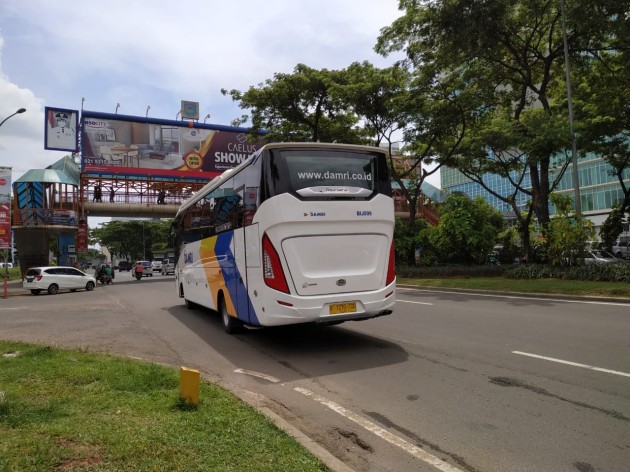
<point>575,364</point>
<point>380,432</point>
<point>15,308</point>
<point>515,297</point>
<point>260,375</point>
<point>417,303</point>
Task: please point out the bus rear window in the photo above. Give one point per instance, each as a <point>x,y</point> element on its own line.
<point>294,170</point>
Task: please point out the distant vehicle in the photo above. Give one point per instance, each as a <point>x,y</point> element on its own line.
<point>168,266</point>
<point>124,265</point>
<point>148,270</point>
<point>621,249</point>
<point>55,278</point>
<point>156,266</point>
<point>598,256</point>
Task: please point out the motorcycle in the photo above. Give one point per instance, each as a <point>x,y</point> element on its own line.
<point>138,275</point>
<point>105,279</point>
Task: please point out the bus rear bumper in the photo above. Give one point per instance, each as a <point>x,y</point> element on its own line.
<point>287,309</point>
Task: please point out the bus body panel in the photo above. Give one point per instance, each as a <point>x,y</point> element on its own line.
<point>338,263</point>
<point>210,268</point>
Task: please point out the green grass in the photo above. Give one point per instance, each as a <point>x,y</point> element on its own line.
<point>63,410</point>
<point>546,286</point>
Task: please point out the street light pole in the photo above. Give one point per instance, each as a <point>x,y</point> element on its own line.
<point>575,173</point>
<point>21,110</point>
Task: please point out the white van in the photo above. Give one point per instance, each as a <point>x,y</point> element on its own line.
<point>168,266</point>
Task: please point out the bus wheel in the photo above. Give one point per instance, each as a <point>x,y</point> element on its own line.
<point>190,305</point>
<point>231,325</point>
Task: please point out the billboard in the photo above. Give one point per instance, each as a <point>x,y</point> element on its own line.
<point>61,129</point>
<point>5,184</point>
<point>5,225</point>
<point>137,146</point>
<point>5,207</point>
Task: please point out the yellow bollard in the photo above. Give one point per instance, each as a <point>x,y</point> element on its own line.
<point>189,385</point>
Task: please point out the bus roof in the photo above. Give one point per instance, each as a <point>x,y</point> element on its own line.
<point>218,180</point>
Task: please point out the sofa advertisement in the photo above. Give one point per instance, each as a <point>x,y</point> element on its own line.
<point>135,146</point>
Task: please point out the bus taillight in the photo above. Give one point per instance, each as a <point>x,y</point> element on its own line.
<point>272,268</point>
<point>391,269</point>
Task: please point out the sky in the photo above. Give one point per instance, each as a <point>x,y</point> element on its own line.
<point>152,53</point>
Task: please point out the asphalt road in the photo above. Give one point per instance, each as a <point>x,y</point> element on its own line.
<point>450,382</point>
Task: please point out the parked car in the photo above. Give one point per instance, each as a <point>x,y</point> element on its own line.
<point>124,265</point>
<point>168,266</point>
<point>621,249</point>
<point>598,256</point>
<point>148,270</point>
<point>8,265</point>
<point>55,278</point>
<point>156,266</point>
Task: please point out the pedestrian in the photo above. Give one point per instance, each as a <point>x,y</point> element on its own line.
<point>111,195</point>
<point>97,194</point>
<point>161,197</point>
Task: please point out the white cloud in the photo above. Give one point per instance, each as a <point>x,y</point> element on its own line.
<point>140,53</point>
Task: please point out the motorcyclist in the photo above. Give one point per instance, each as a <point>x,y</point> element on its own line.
<point>138,270</point>
<point>109,272</point>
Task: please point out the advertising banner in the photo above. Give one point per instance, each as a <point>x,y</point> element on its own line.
<point>135,146</point>
<point>61,129</point>
<point>5,207</point>
<point>5,225</point>
<point>82,237</point>
<point>42,216</point>
<point>5,184</point>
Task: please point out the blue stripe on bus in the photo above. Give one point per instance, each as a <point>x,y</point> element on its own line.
<point>232,277</point>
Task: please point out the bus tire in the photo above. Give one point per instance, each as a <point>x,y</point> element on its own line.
<point>231,325</point>
<point>190,305</point>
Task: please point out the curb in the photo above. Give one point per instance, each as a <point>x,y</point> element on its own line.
<point>547,296</point>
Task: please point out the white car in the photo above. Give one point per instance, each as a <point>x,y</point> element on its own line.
<point>156,266</point>
<point>597,256</point>
<point>55,278</point>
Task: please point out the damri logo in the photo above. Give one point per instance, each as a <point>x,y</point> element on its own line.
<point>315,213</point>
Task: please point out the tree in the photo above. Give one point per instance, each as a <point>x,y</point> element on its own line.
<point>467,230</point>
<point>299,107</point>
<point>568,233</point>
<point>512,52</point>
<point>133,239</point>
<point>603,107</point>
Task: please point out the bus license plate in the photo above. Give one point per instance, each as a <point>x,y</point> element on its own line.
<point>338,308</point>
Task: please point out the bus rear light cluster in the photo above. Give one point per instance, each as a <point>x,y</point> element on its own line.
<point>391,268</point>
<point>272,268</point>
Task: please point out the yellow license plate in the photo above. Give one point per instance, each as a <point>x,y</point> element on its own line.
<point>338,308</point>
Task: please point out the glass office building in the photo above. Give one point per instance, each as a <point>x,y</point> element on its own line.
<point>599,188</point>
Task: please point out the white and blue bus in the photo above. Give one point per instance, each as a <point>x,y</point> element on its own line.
<point>297,233</point>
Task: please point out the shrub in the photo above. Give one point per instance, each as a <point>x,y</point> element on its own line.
<point>615,272</point>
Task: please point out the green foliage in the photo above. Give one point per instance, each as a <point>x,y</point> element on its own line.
<point>466,232</point>
<point>407,240</point>
<point>72,410</point>
<point>451,270</point>
<point>300,107</point>
<point>567,233</point>
<point>133,240</point>
<point>613,226</point>
<point>611,272</point>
